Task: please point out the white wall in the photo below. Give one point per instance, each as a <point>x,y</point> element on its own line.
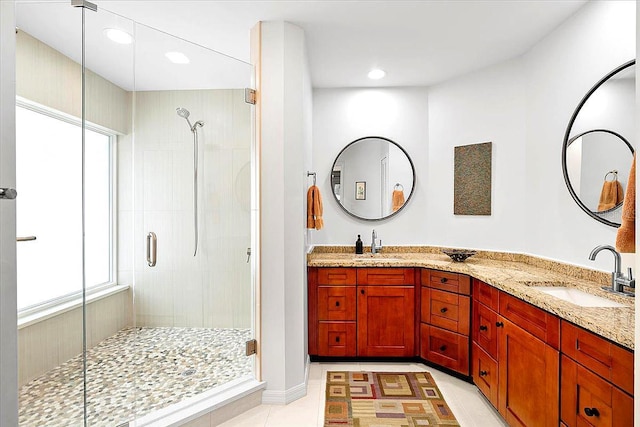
<point>213,288</point>
<point>341,116</point>
<point>560,69</point>
<point>523,107</point>
<point>8,301</point>
<point>284,98</point>
<point>486,106</point>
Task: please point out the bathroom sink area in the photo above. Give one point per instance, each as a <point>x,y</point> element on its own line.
<point>577,297</point>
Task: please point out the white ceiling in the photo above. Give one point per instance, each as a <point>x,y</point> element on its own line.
<point>418,43</point>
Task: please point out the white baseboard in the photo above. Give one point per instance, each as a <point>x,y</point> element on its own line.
<point>279,397</point>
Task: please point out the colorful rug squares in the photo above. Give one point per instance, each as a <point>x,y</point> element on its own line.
<point>385,399</point>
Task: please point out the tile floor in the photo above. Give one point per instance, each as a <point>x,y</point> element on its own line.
<point>133,373</point>
<point>464,399</point>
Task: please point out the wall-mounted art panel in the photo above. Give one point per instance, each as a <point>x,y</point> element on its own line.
<point>472,179</point>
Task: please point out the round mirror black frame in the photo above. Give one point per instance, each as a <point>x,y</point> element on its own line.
<point>567,141</point>
<point>413,173</point>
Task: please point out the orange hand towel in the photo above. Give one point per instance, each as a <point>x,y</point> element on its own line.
<point>626,237</point>
<point>314,208</point>
<point>397,199</point>
<point>610,196</point>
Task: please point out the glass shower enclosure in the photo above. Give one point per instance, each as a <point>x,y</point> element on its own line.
<point>135,160</point>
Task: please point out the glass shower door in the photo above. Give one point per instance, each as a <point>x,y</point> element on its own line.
<point>191,230</point>
<point>49,214</point>
<point>152,183</point>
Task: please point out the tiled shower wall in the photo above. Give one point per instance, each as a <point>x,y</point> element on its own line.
<point>212,289</point>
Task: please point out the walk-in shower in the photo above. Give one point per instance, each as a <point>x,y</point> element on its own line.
<point>120,340</point>
<point>184,113</point>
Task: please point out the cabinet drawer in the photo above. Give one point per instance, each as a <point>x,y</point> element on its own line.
<point>336,276</point>
<point>445,348</point>
<point>445,310</point>
<point>337,339</point>
<point>451,282</point>
<point>588,400</point>
<point>534,320</point>
<point>336,303</point>
<point>385,276</point>
<point>613,363</point>
<point>484,370</point>
<point>486,294</point>
<point>484,328</point>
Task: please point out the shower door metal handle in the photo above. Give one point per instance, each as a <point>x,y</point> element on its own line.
<point>8,193</point>
<point>152,249</point>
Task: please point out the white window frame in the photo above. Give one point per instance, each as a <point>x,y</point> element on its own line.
<point>46,309</point>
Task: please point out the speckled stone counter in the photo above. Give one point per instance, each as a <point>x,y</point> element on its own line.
<point>514,274</point>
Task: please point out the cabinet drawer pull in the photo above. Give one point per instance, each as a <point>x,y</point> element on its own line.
<point>443,310</point>
<point>362,291</point>
<point>483,327</point>
<point>591,412</point>
<point>337,339</point>
<point>499,324</point>
<point>443,347</point>
<point>443,280</point>
<point>337,303</point>
<point>483,373</point>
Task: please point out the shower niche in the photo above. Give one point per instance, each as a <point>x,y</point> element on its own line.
<point>138,342</point>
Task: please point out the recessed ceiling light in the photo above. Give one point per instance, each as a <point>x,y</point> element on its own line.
<point>376,74</point>
<point>177,57</point>
<point>118,36</point>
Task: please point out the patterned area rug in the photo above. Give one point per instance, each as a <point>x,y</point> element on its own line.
<point>385,399</point>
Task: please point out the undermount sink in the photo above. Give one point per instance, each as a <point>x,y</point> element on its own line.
<point>577,297</point>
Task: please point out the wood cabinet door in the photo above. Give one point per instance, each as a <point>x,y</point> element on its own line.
<point>484,328</point>
<point>588,400</point>
<point>484,370</point>
<point>446,310</point>
<point>445,348</point>
<point>386,321</point>
<point>528,378</point>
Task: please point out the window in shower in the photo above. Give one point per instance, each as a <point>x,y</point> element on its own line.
<point>49,183</point>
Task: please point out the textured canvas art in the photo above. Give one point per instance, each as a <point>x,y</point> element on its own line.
<point>472,179</point>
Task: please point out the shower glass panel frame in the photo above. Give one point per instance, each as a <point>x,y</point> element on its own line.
<point>184,311</point>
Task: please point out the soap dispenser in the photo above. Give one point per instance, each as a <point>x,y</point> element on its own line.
<point>358,245</point>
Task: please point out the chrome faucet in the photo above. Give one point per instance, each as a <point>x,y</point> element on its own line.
<point>375,248</point>
<point>618,279</point>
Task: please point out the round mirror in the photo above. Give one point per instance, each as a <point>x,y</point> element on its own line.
<point>598,146</point>
<point>372,178</point>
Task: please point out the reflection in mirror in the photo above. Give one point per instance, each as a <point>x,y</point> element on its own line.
<point>372,178</point>
<point>598,164</point>
<point>598,146</point>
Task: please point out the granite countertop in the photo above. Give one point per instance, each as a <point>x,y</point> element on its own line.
<point>514,274</point>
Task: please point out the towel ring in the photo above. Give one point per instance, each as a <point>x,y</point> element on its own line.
<point>615,175</point>
<point>398,187</point>
<point>314,176</point>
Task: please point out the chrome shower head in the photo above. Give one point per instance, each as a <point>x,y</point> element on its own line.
<point>183,112</point>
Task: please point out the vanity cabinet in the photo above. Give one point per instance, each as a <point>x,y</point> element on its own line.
<point>528,377</point>
<point>332,311</point>
<point>484,357</point>
<point>368,312</point>
<point>596,382</point>
<point>445,316</point>
<point>515,357</point>
<point>386,312</point>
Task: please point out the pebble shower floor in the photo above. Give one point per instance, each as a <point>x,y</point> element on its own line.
<point>133,373</point>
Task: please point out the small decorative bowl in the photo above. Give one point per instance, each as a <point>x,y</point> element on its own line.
<point>459,255</point>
